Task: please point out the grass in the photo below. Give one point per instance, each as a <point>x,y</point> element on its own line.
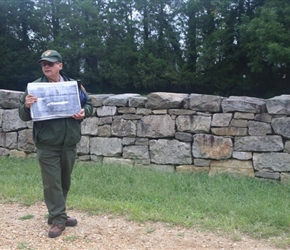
<point>27,217</point>
<point>220,203</point>
<point>71,238</point>
<point>24,245</point>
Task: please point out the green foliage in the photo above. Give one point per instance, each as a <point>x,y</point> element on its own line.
<point>16,57</point>
<point>266,40</point>
<point>227,47</point>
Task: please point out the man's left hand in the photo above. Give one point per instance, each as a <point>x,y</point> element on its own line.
<point>80,115</point>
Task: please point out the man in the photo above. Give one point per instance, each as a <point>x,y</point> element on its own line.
<point>56,141</point>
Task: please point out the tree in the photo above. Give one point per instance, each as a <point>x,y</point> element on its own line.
<point>160,54</point>
<point>15,45</point>
<point>223,47</point>
<point>215,61</point>
<point>120,48</point>
<point>267,42</point>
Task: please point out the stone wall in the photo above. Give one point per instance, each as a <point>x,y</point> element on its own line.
<point>172,132</point>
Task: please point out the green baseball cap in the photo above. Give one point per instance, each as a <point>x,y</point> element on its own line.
<point>51,56</point>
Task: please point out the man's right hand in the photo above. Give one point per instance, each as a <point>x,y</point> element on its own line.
<point>29,100</point>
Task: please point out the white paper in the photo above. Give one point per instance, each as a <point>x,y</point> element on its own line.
<point>54,100</point>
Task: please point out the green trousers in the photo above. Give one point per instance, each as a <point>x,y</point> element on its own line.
<point>56,168</point>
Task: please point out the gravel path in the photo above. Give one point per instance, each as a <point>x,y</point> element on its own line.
<point>106,232</point>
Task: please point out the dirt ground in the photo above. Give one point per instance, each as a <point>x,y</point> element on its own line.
<point>106,232</point>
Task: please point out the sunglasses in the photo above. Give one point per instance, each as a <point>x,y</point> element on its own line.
<point>49,64</point>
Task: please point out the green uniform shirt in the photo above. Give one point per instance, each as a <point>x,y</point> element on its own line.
<point>56,133</point>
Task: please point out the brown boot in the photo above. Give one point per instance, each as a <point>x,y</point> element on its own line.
<point>71,222</point>
<point>56,230</point>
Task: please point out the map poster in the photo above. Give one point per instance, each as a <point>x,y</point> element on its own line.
<point>54,100</point>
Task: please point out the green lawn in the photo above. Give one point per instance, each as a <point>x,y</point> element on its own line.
<point>221,203</point>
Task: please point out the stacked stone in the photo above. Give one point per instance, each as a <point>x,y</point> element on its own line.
<point>173,132</point>
<point>15,135</point>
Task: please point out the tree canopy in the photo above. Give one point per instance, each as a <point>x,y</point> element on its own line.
<point>221,47</point>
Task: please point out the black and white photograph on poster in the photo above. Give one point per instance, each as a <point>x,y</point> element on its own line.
<point>54,100</point>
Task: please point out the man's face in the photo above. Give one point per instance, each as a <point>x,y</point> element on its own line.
<point>50,69</point>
